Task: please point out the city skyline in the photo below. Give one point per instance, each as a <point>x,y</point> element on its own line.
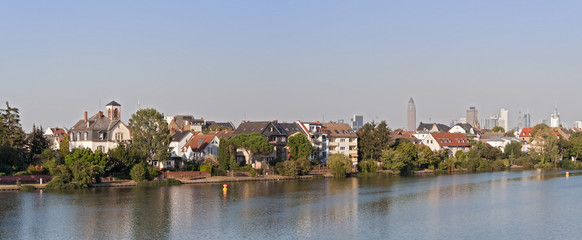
<point>313,61</point>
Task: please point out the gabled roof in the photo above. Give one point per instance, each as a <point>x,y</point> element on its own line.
<point>465,126</point>
<point>224,134</point>
<point>95,123</point>
<point>178,136</point>
<point>429,126</point>
<point>183,120</point>
<point>526,132</point>
<point>214,125</point>
<point>113,103</point>
<point>451,139</point>
<point>199,142</point>
<point>257,127</point>
<point>291,128</point>
<point>335,130</point>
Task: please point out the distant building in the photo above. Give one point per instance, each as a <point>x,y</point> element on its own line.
<point>357,122</point>
<point>504,119</point>
<point>577,124</point>
<point>464,128</point>
<point>452,142</point>
<point>410,116</point>
<point>473,117</point>
<point>342,140</point>
<point>527,119</point>
<point>100,132</point>
<point>319,140</point>
<point>184,123</point>
<point>432,127</point>
<point>555,118</point>
<point>55,136</point>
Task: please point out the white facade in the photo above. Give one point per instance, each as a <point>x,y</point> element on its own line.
<point>555,118</point>
<point>178,144</point>
<point>500,143</point>
<point>504,118</point>
<point>577,124</point>
<point>210,149</point>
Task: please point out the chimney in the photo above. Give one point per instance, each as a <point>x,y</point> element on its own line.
<point>85,116</point>
<point>100,114</point>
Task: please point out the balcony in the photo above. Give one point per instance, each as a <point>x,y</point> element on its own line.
<point>333,144</point>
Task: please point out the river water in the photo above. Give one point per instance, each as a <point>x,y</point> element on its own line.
<point>497,205</point>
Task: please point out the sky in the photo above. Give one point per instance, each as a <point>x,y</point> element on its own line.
<point>291,60</point>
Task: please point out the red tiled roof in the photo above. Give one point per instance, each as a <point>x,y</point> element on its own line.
<point>526,132</point>
<point>451,139</point>
<point>199,142</point>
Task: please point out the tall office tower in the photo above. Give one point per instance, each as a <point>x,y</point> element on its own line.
<point>473,117</point>
<point>527,117</point>
<point>520,121</point>
<point>411,116</point>
<point>357,122</point>
<point>504,118</point>
<point>555,118</point>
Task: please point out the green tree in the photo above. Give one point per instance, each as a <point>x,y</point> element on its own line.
<point>11,133</point>
<point>139,172</point>
<point>64,148</point>
<point>402,159</point>
<point>150,134</point>
<point>373,139</point>
<point>576,145</point>
<point>299,147</point>
<point>223,154</point>
<point>339,164</point>
<point>121,159</point>
<point>426,157</point>
<point>498,129</point>
<point>513,150</point>
<point>253,144</point>
<point>37,142</point>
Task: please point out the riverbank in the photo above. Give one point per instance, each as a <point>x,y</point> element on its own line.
<point>130,183</point>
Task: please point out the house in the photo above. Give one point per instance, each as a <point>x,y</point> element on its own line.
<point>464,128</point>
<point>184,123</point>
<point>100,132</point>
<point>526,134</point>
<point>342,140</point>
<point>452,142</point>
<point>501,142</point>
<point>200,146</point>
<point>319,140</point>
<point>273,132</point>
<point>179,139</point>
<point>55,136</point>
<point>432,127</point>
<point>400,134</point>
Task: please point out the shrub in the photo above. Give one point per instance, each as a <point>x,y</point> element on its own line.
<point>206,168</point>
<point>21,173</point>
<point>498,164</point>
<point>339,164</point>
<point>252,172</point>
<point>139,172</point>
<point>27,188</point>
<point>36,170</point>
<point>304,166</point>
<point>367,166</point>
<point>60,183</point>
<point>152,173</point>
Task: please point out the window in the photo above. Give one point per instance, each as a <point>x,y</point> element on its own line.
<point>101,148</point>
<point>101,136</point>
<point>342,140</point>
<point>85,136</point>
<point>283,139</point>
<point>118,136</point>
<point>78,136</point>
<point>342,148</point>
<point>352,148</point>
<point>351,140</point>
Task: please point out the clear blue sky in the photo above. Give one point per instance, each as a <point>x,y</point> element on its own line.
<point>290,60</point>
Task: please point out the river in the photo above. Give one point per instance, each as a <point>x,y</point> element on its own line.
<point>493,205</point>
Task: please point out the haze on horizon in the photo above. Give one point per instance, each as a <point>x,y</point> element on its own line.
<point>291,60</point>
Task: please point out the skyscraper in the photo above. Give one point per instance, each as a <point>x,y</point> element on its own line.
<point>504,118</point>
<point>357,122</point>
<point>527,117</point>
<point>555,118</point>
<point>411,116</point>
<point>473,117</point>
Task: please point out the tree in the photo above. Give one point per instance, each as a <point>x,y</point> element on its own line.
<point>121,159</point>
<point>150,134</point>
<point>300,147</point>
<point>426,157</point>
<point>36,141</point>
<point>252,144</point>
<point>513,150</point>
<point>11,133</point>
<point>339,164</point>
<point>576,145</point>
<point>498,129</point>
<point>223,154</point>
<point>373,139</point>
<point>64,148</point>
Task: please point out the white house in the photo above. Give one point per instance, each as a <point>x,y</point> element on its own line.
<point>199,146</point>
<point>100,132</point>
<point>179,140</point>
<point>501,142</point>
<point>452,142</point>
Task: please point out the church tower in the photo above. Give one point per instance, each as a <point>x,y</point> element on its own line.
<point>113,110</point>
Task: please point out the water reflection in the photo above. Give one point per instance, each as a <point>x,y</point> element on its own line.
<point>483,206</point>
